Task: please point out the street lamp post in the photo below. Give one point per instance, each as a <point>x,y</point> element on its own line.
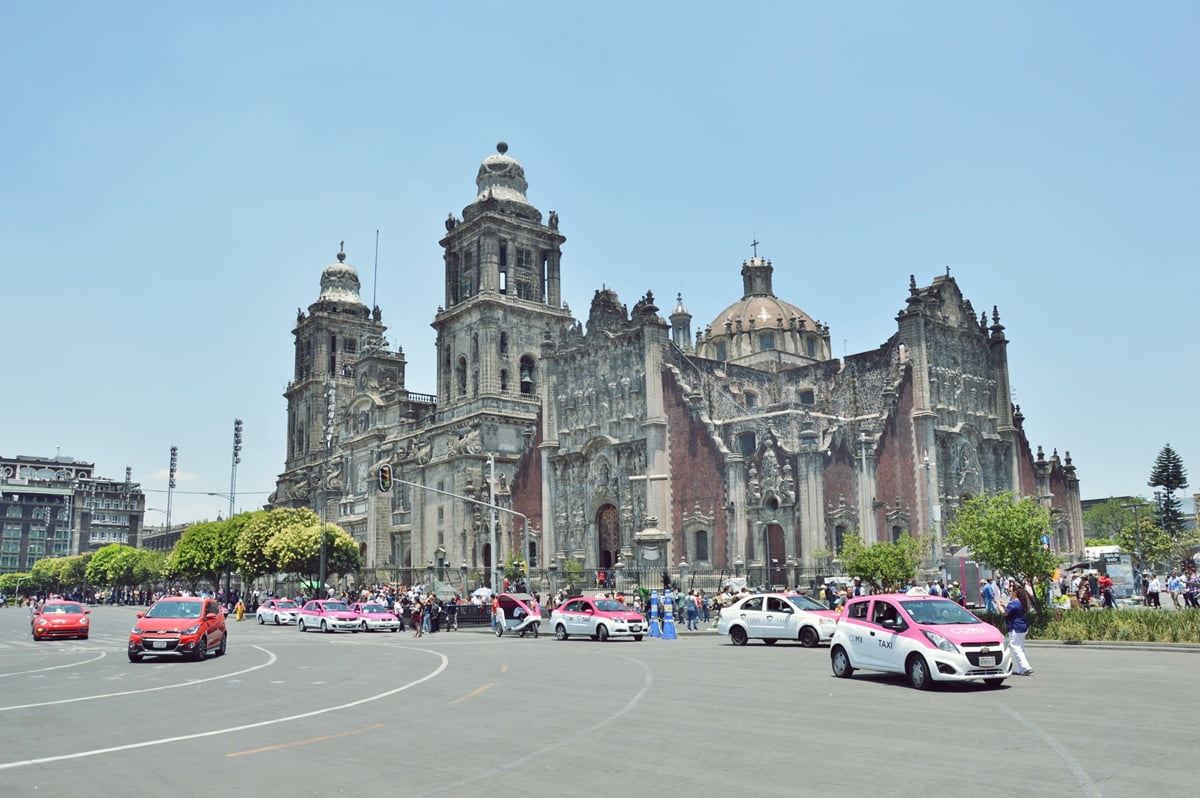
<point>330,387</point>
<point>237,458</point>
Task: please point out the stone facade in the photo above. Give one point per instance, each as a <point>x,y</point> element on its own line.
<point>746,449</point>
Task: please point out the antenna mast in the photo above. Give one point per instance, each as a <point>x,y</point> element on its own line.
<point>375,276</point>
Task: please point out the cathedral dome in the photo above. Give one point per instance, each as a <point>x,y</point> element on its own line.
<point>501,177</point>
<point>340,283</point>
<point>764,311</point>
<point>758,303</point>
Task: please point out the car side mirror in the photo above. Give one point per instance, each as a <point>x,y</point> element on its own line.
<point>212,616</point>
<point>895,624</point>
<point>87,612</point>
<point>141,615</point>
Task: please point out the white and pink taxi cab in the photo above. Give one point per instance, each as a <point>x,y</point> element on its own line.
<point>927,638</point>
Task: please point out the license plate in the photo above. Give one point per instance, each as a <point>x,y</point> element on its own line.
<point>635,628</point>
<point>987,662</point>
<point>158,644</point>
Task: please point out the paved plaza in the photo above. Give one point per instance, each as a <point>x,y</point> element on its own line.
<point>466,714</point>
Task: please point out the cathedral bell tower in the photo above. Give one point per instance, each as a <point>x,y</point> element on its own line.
<point>503,290</point>
<point>329,339</point>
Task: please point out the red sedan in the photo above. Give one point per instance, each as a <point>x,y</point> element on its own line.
<point>59,618</point>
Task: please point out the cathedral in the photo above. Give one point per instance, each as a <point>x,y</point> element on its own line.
<point>630,442</point>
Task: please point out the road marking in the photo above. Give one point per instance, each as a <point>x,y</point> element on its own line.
<point>270,661</point>
<point>1088,787</point>
<point>232,729</point>
<point>306,742</point>
<point>472,694</point>
<point>101,655</point>
<point>647,681</point>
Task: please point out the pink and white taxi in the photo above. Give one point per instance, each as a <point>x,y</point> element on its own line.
<point>927,638</point>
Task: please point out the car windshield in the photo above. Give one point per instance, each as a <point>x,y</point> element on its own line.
<point>63,609</point>
<point>285,605</point>
<point>335,606</point>
<point>939,611</point>
<point>174,609</point>
<point>611,605</point>
<point>376,608</point>
<point>805,603</point>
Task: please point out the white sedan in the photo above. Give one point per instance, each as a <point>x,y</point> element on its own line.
<point>777,616</point>
<point>277,611</point>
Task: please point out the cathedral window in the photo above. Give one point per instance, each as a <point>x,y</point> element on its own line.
<point>461,375</point>
<point>332,355</point>
<point>751,398</point>
<point>475,348</point>
<point>839,538</point>
<point>766,341</point>
<point>503,380</point>
<point>811,347</point>
<point>503,254</point>
<point>475,382</point>
<point>504,281</point>
<point>527,375</point>
<point>808,398</point>
<point>700,549</point>
<point>351,345</point>
<point>747,444</point>
<point>504,343</point>
<point>896,533</point>
<point>722,351</point>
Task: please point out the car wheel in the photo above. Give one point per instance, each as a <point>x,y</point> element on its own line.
<point>500,629</point>
<point>395,628</point>
<point>277,621</point>
<point>202,649</point>
<point>223,646</point>
<point>738,635</point>
<point>135,657</point>
<point>324,627</point>
<point>83,636</point>
<point>841,663</point>
<point>300,624</point>
<point>535,631</point>
<point>560,632</point>
<point>602,633</point>
<point>768,641</point>
<point>918,672</point>
<point>362,627</point>
<point>262,620</point>
<point>809,637</point>
<point>993,683</point>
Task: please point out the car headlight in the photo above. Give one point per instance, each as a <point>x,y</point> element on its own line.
<point>83,621</point>
<point>191,630</point>
<point>135,631</point>
<point>42,622</point>
<point>940,641</point>
<point>828,622</point>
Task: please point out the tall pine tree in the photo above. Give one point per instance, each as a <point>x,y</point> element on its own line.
<point>1170,475</point>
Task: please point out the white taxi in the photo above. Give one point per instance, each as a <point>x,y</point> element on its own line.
<point>777,616</point>
<point>927,638</point>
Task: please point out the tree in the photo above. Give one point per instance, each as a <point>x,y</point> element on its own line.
<point>205,551</point>
<point>253,556</point>
<point>237,526</point>
<point>297,548</point>
<point>886,567</point>
<point>1169,474</point>
<point>1006,533</point>
<point>1103,523</point>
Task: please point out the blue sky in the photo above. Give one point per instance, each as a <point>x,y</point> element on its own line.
<point>176,176</point>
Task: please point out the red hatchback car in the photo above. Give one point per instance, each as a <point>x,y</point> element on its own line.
<point>182,626</point>
<point>59,618</point>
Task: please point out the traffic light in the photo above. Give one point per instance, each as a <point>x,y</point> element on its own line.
<point>385,477</point>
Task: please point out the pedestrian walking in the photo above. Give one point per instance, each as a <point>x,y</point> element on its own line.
<point>1017,624</point>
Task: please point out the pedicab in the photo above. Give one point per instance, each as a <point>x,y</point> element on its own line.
<point>516,615</point>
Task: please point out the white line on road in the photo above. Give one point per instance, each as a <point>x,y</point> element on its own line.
<point>271,659</point>
<point>232,729</point>
<point>101,655</point>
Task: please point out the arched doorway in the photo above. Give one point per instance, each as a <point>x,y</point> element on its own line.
<point>776,556</point>
<point>608,526</point>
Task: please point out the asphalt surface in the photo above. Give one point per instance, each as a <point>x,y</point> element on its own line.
<point>466,714</point>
